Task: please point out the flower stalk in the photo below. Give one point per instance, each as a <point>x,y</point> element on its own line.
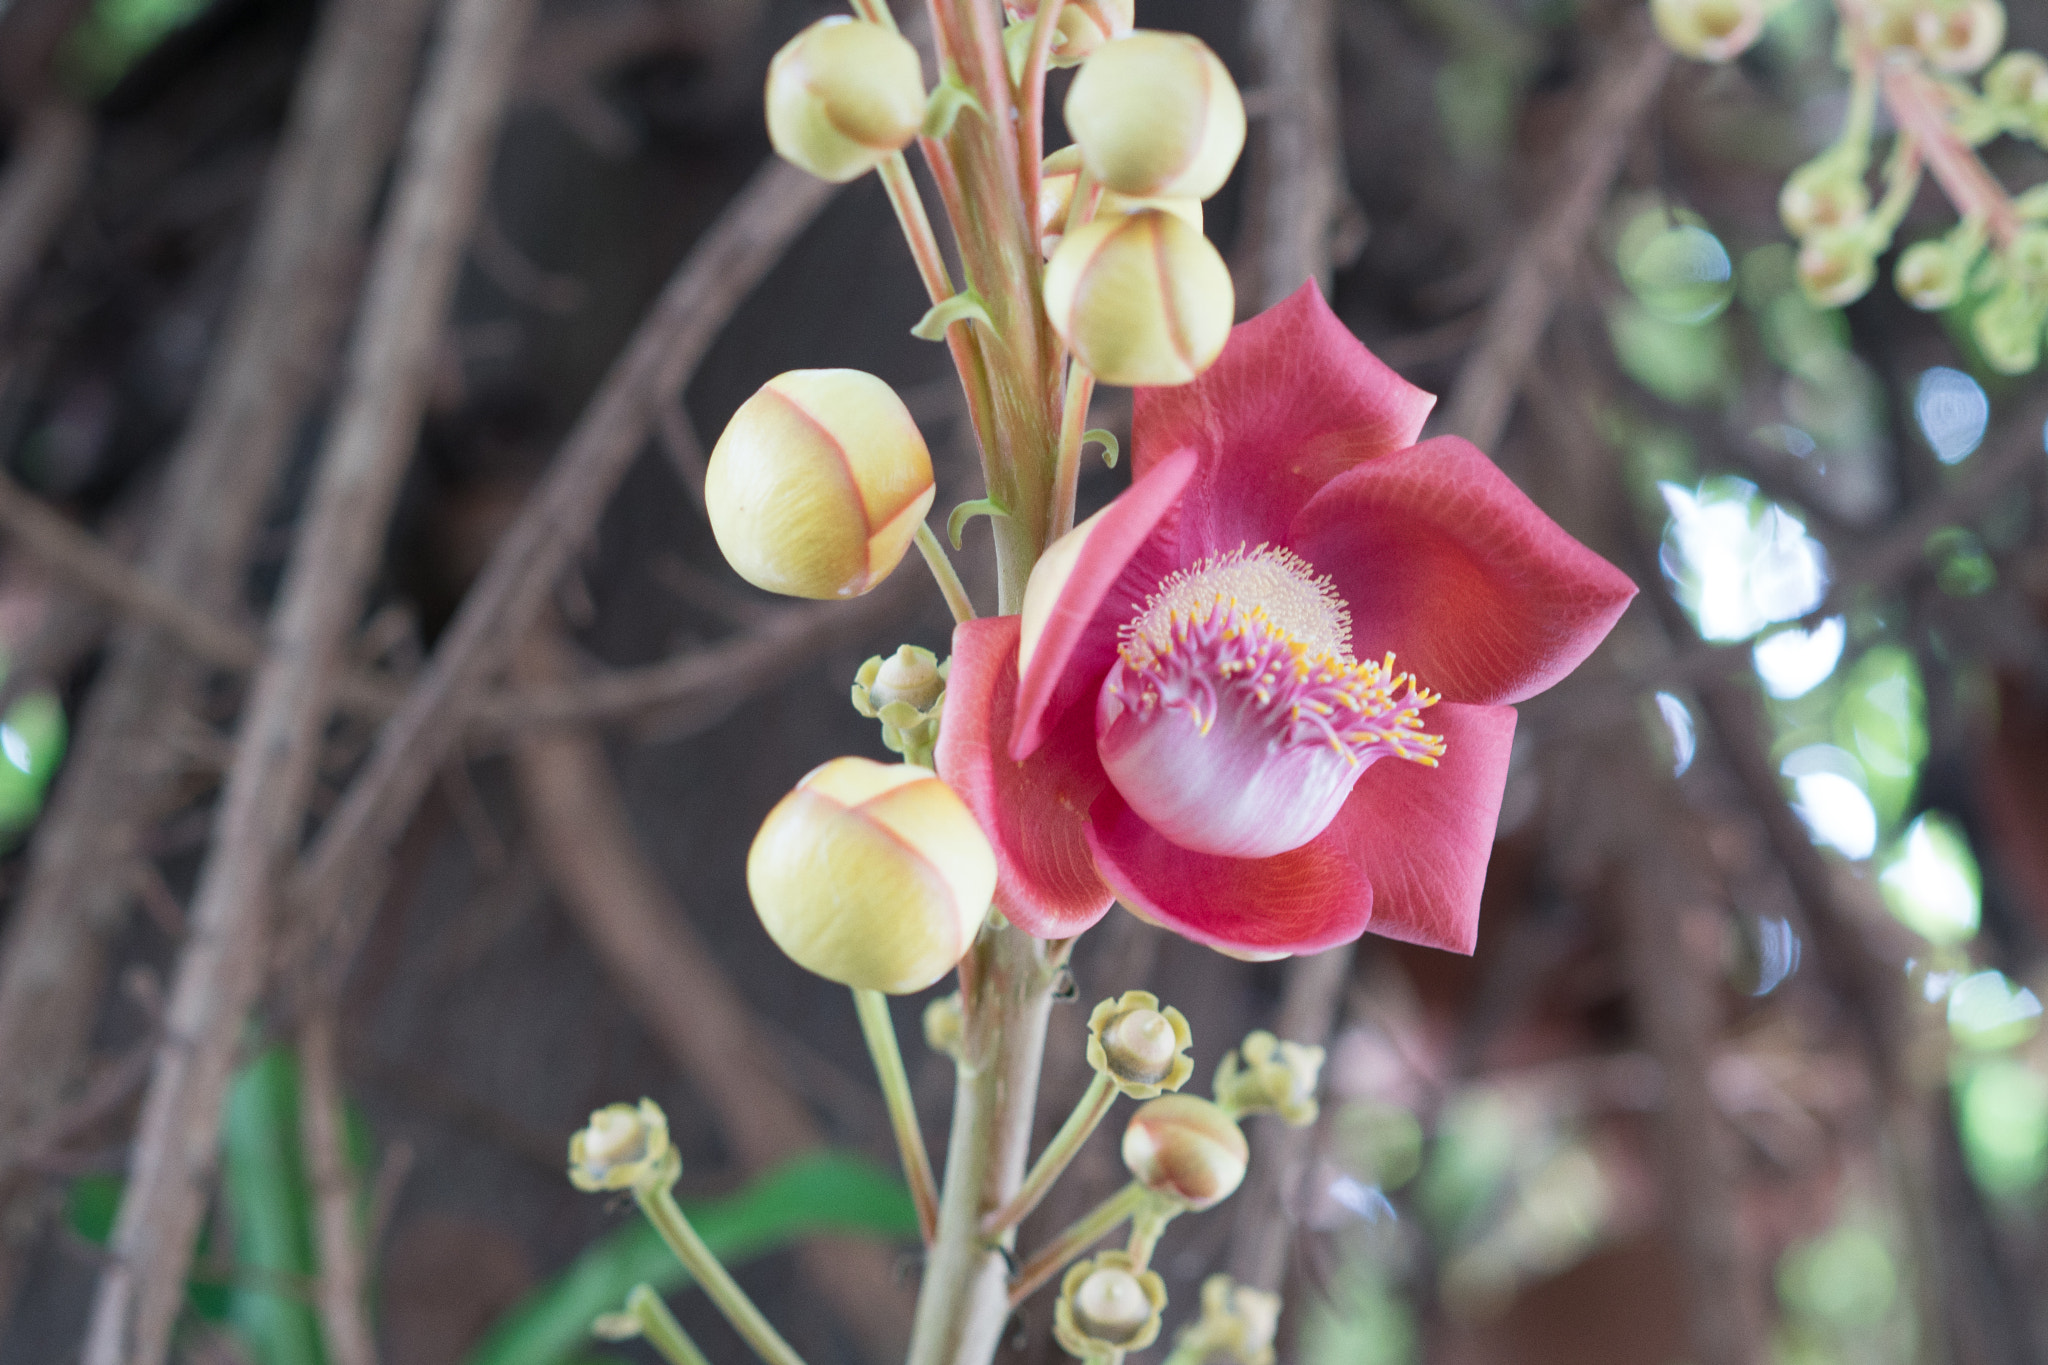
<point>880,1032</point>
<point>647,1316</point>
<point>1073,423</point>
<point>1058,1153</point>
<point>658,1202</point>
<point>1085,1231</point>
<point>943,572</point>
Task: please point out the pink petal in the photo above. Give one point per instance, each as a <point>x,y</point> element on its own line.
<point>1032,812</point>
<point>1423,835</point>
<point>1077,643</point>
<point>1300,902</point>
<point>1293,401</point>
<point>1445,562</point>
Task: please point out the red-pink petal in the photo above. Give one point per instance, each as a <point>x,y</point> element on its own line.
<point>1077,643</point>
<point>1300,902</point>
<point>1423,836</point>
<point>1032,812</point>
<point>1445,562</point>
<point>1293,401</point>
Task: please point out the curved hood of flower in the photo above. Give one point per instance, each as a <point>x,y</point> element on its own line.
<point>1264,696</point>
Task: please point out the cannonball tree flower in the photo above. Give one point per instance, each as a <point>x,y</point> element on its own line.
<point>1264,697</point>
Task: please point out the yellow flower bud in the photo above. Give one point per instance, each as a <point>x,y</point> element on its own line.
<point>842,95</point>
<point>1708,30</point>
<point>1157,114</point>
<point>1836,267</point>
<point>1107,1303</point>
<point>1822,194</point>
<point>1142,300</point>
<point>1140,1044</point>
<point>1187,1149</point>
<point>818,483</point>
<point>1960,37</point>
<point>1266,1075</point>
<point>1057,181</point>
<point>873,875</point>
<point>1930,275</point>
<point>623,1146</point>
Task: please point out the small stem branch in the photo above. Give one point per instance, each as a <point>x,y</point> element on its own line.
<point>659,1204</point>
<point>1087,1116</point>
<point>1147,1226</point>
<point>880,1032</point>
<point>1073,423</point>
<point>1086,1231</point>
<point>661,1329</point>
<point>1917,107</point>
<point>942,569</point>
<point>1031,100</point>
<point>917,227</point>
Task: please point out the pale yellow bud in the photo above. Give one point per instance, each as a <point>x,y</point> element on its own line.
<point>622,1147</point>
<point>2018,84</point>
<point>1708,30</point>
<point>1187,1149</point>
<point>1822,194</point>
<point>818,484</point>
<point>1267,1075</point>
<point>1057,182</point>
<point>1106,1304</point>
<point>1959,38</point>
<point>872,875</point>
<point>1836,268</point>
<point>842,95</point>
<point>1157,114</point>
<point>1930,275</point>
<point>1140,1044</point>
<point>1142,300</point>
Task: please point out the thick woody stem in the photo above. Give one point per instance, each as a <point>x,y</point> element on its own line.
<point>1058,1153</point>
<point>880,1032</point>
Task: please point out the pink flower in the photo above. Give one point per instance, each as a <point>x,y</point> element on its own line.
<point>1262,698</point>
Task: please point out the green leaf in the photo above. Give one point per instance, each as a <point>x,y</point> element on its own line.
<point>270,1206</point>
<point>1105,439</point>
<point>980,507</point>
<point>821,1192</point>
<point>32,738</point>
<point>966,305</point>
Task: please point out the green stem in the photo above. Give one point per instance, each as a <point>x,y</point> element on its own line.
<point>876,12</point>
<point>1086,1231</point>
<point>942,569</point>
<point>1006,988</point>
<point>659,1204</point>
<point>1146,1226</point>
<point>1031,99</point>
<point>1187,1353</point>
<point>1087,1116</point>
<point>880,1031</point>
<point>661,1329</point>
<point>917,227</point>
<point>1067,474</point>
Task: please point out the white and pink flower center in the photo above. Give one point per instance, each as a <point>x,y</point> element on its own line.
<point>1236,720</point>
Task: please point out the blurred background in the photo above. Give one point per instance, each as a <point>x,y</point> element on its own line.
<point>1747,1066</point>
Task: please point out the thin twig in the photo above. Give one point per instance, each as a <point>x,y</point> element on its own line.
<point>411,280</point>
<point>52,150</point>
<point>1628,81</point>
<point>340,1289</point>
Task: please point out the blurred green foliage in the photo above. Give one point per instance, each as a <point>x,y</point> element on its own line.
<point>116,34</point>
<point>32,739</point>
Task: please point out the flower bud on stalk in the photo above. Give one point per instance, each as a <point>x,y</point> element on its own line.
<point>1836,267</point>
<point>1959,38</point>
<point>1708,30</point>
<point>1266,1075</point>
<point>1823,193</point>
<point>1187,1149</point>
<point>2017,84</point>
<point>1237,1322</point>
<point>1140,1044</point>
<point>1142,300</point>
<point>1061,175</point>
<point>873,875</point>
<point>906,692</point>
<point>1083,26</point>
<point>1107,1304</point>
<point>1157,114</point>
<point>623,1147</point>
<point>843,95</point>
<point>1930,275</point>
<point>818,484</point>
<point>2008,330</point>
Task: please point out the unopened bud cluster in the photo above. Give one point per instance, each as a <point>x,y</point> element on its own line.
<point>1268,1076</point>
<point>906,692</point>
<point>1238,1323</point>
<point>1140,1044</point>
<point>1108,1303</point>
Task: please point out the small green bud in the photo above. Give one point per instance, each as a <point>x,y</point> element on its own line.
<point>1141,300</point>
<point>2026,259</point>
<point>2017,84</point>
<point>623,1147</point>
<point>818,484</point>
<point>843,95</point>
<point>1061,175</point>
<point>1186,1149</point>
<point>2008,330</point>
<point>1931,275</point>
<point>1824,193</point>
<point>945,1020</point>
<point>1836,267</point>
<point>1108,1304</point>
<point>1157,114</point>
<point>907,693</point>
<point>1959,37</point>
<point>1238,1322</point>
<point>1708,30</point>
<point>1140,1044</point>
<point>1266,1075</point>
